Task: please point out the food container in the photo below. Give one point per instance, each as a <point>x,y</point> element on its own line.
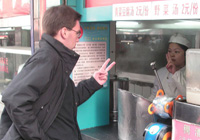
<point>193,76</point>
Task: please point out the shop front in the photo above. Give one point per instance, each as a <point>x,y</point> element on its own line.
<point>131,32</point>
<point>139,35</point>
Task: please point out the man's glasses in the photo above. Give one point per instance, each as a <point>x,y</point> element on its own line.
<point>78,33</point>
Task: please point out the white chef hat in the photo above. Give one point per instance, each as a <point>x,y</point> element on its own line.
<point>180,39</point>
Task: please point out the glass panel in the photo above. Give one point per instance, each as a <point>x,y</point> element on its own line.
<point>15,49</point>
<point>15,39</point>
<point>10,64</point>
<point>138,43</point>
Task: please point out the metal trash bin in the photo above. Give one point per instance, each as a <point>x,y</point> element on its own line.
<point>115,84</point>
<point>133,116</point>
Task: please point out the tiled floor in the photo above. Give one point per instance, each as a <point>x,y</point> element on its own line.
<point>108,132</point>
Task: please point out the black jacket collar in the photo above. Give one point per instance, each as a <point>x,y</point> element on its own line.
<point>69,56</point>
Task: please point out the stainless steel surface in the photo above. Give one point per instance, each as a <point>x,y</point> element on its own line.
<point>133,116</point>
<point>153,66</point>
<point>137,77</point>
<point>115,83</point>
<point>186,112</point>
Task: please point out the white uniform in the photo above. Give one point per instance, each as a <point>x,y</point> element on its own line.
<point>173,84</point>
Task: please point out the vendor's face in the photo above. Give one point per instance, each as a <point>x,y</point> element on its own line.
<point>176,54</point>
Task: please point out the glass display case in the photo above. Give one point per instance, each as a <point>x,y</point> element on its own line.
<point>138,43</point>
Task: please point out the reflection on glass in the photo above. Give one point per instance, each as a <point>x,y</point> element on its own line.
<point>14,51</point>
<point>139,45</point>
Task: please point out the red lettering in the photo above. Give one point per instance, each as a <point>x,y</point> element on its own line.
<point>195,8</point>
<point>166,10</point>
<point>4,68</point>
<point>185,10</point>
<point>116,12</point>
<point>131,11</point>
<point>3,60</point>
<point>142,11</point>
<point>157,10</point>
<point>175,9</point>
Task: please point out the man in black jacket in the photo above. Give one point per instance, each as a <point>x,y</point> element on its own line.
<point>41,101</point>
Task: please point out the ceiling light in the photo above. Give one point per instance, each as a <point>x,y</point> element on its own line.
<point>126,24</point>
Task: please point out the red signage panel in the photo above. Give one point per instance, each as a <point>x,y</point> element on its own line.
<point>97,3</point>
<point>11,8</point>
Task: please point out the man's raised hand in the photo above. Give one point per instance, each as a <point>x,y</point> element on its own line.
<point>101,75</point>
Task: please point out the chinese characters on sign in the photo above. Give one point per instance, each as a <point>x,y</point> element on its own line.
<point>92,56</point>
<point>127,11</point>
<point>185,130</point>
<point>157,10</point>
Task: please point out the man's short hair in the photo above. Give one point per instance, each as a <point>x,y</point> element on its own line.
<point>58,17</point>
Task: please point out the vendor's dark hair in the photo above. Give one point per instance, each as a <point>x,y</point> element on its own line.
<point>183,47</point>
<point>58,17</point>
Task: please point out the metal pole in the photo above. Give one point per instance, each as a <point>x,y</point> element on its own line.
<point>32,26</point>
<point>153,66</point>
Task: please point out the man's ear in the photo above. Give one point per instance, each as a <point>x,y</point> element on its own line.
<point>64,32</point>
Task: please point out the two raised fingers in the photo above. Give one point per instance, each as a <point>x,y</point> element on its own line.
<point>104,66</point>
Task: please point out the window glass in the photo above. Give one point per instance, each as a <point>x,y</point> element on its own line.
<point>15,49</point>
<point>138,43</point>
<point>14,39</point>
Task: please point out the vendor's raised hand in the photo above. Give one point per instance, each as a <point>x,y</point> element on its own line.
<point>101,75</point>
<point>170,65</point>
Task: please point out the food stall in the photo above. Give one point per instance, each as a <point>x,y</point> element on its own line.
<point>131,32</point>
<point>139,34</point>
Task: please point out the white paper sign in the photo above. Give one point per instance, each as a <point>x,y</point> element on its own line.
<point>178,9</point>
<point>92,57</point>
